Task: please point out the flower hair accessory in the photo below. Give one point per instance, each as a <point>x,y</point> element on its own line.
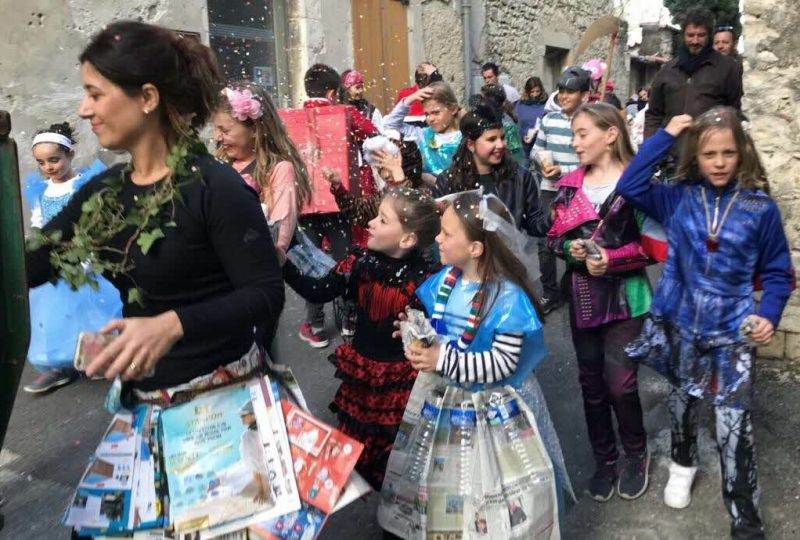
<point>243,104</point>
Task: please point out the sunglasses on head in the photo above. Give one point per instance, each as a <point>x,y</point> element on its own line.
<point>725,29</point>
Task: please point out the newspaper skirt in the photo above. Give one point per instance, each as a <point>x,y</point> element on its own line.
<point>472,465</point>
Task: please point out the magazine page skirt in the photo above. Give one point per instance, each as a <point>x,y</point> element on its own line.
<point>249,365</point>
<point>484,464</point>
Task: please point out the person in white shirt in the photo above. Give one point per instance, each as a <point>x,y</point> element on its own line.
<point>491,75</point>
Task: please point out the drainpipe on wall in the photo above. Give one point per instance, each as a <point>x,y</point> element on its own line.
<point>466,10</point>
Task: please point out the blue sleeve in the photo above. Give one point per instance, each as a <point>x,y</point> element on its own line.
<point>636,186</point>
<point>774,266</point>
<point>90,172</point>
<point>33,188</point>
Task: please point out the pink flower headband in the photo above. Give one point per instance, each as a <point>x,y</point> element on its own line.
<point>243,104</point>
<point>352,78</point>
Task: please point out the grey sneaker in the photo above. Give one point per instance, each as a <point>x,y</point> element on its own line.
<point>601,485</point>
<point>49,380</point>
<point>634,475</point>
<point>549,304</point>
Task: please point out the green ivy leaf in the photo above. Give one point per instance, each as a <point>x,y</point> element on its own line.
<point>146,239</point>
<point>35,241</point>
<point>135,297</point>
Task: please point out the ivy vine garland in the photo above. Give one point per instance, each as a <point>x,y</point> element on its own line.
<point>103,217</point>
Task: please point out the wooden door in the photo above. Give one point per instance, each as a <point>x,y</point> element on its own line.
<point>380,47</point>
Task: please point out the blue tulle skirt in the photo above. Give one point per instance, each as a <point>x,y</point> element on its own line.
<point>59,315</point>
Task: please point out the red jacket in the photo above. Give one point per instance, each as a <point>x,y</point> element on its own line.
<point>416,107</point>
<point>362,127</point>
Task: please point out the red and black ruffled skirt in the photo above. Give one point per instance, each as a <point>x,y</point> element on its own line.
<point>370,404</point>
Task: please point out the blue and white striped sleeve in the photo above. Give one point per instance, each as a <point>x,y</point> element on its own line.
<point>494,365</point>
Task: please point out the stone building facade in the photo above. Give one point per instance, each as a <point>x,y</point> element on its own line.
<point>772,103</point>
<point>41,42</point>
<point>524,38</point>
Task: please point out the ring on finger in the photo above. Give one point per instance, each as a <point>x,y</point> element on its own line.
<point>132,366</point>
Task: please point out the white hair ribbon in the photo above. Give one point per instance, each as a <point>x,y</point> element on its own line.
<point>56,138</point>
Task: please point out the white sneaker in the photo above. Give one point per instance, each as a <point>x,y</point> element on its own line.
<point>678,493</point>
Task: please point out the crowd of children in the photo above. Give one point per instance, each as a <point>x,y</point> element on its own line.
<point>465,263</point>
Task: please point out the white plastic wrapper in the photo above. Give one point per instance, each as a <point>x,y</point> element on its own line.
<point>417,329</point>
<point>309,259</point>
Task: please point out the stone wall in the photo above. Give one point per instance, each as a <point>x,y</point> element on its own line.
<point>318,32</point>
<point>45,87</point>
<point>512,34</point>
<point>443,40</point>
<point>772,103</point>
<point>39,68</point>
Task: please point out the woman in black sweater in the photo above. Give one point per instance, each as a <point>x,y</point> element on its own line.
<point>201,273</point>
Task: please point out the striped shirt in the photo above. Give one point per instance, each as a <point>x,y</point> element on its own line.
<point>490,366</point>
<point>555,134</point>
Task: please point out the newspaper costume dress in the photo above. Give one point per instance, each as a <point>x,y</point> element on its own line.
<point>59,314</point>
<point>477,437</point>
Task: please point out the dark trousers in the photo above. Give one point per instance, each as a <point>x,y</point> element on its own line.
<point>609,381</point>
<point>737,457</point>
<point>547,259</point>
<point>337,230</point>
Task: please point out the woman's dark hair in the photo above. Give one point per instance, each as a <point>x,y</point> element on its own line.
<point>422,79</point>
<point>532,83</point>
<point>319,79</point>
<point>417,212</point>
<point>412,163</point>
<point>62,129</point>
<point>495,93</point>
<point>131,54</point>
<point>463,172</point>
<point>497,262</point>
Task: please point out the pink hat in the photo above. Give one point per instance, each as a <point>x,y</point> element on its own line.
<point>596,68</point>
<point>352,78</point>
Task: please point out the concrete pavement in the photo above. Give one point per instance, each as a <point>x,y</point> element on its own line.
<point>51,438</point>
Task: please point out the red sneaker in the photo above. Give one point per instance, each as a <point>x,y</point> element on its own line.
<point>314,337</point>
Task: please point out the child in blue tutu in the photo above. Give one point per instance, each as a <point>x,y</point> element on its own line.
<point>59,314</point>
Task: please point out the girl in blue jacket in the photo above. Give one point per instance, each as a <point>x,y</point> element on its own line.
<point>724,232</point>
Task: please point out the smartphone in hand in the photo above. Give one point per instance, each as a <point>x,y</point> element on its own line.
<point>592,250</point>
<point>90,345</point>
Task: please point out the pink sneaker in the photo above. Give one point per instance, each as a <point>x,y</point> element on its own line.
<point>314,337</point>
